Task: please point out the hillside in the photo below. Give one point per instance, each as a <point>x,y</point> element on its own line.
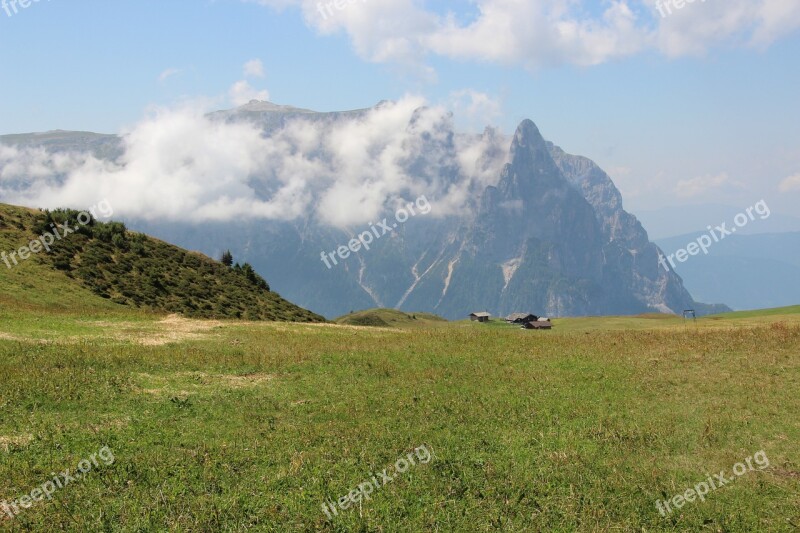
<point>388,318</point>
<point>104,265</point>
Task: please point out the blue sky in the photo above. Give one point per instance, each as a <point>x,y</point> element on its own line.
<point>677,110</point>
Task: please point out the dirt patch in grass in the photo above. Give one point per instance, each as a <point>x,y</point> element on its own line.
<point>173,328</point>
<point>17,441</point>
<point>657,316</point>
<point>348,326</point>
<point>239,382</point>
<point>786,473</point>
<point>185,383</point>
<point>114,423</point>
<point>17,338</point>
<point>176,328</point>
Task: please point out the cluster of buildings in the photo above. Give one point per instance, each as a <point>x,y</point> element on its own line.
<point>526,320</point>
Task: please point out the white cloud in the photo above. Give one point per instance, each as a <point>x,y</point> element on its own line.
<point>168,73</point>
<point>254,68</point>
<point>792,183</point>
<point>700,26</point>
<point>474,109</point>
<point>179,164</point>
<point>702,184</point>
<point>536,33</point>
<point>242,92</point>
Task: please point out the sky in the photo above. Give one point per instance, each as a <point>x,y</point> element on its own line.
<point>681,103</point>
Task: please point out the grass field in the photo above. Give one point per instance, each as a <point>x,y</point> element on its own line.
<point>236,426</point>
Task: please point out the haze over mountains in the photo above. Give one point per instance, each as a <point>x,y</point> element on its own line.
<point>516,223</point>
<point>756,268</point>
<point>675,221</point>
<point>745,271</point>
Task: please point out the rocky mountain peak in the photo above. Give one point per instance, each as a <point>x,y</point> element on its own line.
<point>527,135</point>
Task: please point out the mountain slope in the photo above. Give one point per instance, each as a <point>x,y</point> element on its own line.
<point>129,269</point>
<point>630,259</point>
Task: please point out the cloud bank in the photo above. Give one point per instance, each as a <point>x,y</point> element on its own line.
<point>181,164</point>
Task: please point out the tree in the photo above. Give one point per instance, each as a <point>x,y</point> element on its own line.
<point>227,258</point>
<point>251,275</point>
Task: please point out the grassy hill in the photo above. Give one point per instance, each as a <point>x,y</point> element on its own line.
<point>388,318</point>
<point>120,268</point>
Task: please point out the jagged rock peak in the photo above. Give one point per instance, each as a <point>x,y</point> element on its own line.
<point>528,135</point>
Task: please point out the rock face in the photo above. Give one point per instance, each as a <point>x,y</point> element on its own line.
<point>550,237</point>
<point>534,243</point>
<point>630,259</point>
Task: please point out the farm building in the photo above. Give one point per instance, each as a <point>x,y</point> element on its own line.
<point>520,318</point>
<point>542,323</point>
<point>480,317</point>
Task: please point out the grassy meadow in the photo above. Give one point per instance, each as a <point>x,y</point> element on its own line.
<point>245,426</point>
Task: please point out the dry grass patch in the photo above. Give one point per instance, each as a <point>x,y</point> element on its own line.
<point>185,383</point>
<point>14,441</point>
<point>171,329</point>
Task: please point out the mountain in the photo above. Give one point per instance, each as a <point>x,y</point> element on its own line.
<point>271,117</point>
<point>546,242</point>
<point>546,233</point>
<point>102,146</point>
<point>745,271</point>
<point>108,266</point>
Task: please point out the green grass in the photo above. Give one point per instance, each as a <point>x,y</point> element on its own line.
<point>780,311</point>
<point>389,318</point>
<point>235,426</point>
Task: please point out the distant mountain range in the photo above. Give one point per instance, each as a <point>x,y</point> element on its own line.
<point>744,271</point>
<point>677,221</point>
<point>550,237</point>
